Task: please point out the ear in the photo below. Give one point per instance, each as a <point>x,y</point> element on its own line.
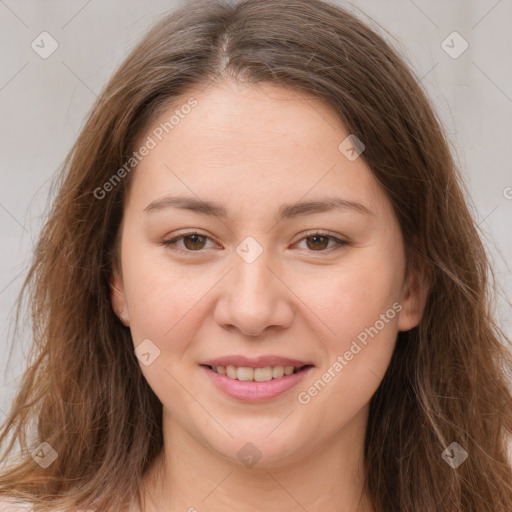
<point>117,296</point>
<point>414,296</point>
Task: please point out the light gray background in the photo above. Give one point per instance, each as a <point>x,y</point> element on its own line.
<point>44,103</point>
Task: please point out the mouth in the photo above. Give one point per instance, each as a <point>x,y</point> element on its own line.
<point>253,380</point>
<point>259,374</point>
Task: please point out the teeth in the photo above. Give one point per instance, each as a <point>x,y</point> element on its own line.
<point>245,373</point>
<point>263,374</point>
<point>278,371</point>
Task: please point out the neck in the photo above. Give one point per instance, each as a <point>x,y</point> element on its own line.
<point>189,476</point>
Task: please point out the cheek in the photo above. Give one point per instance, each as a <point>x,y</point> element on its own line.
<point>360,303</point>
<point>160,296</point>
<point>163,308</point>
<point>163,296</point>
<point>352,297</point>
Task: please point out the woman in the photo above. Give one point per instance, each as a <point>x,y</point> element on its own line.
<point>260,287</point>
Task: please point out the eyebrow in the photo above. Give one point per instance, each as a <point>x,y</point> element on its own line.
<point>286,211</point>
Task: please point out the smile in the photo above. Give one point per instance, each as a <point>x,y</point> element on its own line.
<point>249,384</point>
<point>246,373</point>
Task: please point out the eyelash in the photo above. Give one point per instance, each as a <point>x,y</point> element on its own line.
<point>171,243</point>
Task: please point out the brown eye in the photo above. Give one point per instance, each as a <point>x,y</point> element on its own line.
<point>187,242</point>
<point>318,242</point>
<point>196,242</point>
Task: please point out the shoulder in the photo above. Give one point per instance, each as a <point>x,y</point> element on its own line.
<point>11,505</point>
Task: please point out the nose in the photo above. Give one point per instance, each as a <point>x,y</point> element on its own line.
<point>254,299</point>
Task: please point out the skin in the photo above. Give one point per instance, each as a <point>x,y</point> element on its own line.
<point>252,148</point>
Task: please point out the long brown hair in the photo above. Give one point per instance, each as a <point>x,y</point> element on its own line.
<point>83,392</point>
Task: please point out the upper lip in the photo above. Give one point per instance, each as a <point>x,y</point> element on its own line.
<point>256,362</point>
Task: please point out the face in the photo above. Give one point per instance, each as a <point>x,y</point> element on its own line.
<point>236,276</point>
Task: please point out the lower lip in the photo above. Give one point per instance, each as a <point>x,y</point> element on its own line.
<point>251,391</point>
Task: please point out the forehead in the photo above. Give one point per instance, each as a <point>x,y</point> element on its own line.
<point>254,117</point>
<point>252,140</point>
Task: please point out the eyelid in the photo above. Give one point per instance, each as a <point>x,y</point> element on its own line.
<point>338,239</point>
<point>320,232</point>
<point>171,242</point>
